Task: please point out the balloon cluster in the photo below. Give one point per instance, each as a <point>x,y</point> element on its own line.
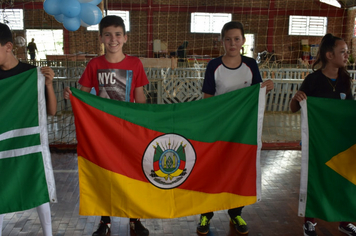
<point>74,13</point>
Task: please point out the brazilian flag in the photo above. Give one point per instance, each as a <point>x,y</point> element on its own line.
<point>328,176</point>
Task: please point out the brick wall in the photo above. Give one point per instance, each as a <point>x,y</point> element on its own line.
<point>171,24</point>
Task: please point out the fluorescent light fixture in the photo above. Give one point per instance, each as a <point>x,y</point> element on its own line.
<point>334,3</point>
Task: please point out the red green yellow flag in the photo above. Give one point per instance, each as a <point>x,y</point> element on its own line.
<point>168,160</point>
<point>328,175</point>
<point>26,174</point>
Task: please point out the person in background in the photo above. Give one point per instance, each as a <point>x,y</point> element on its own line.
<point>182,54</point>
<point>32,49</point>
<point>224,74</point>
<point>11,66</point>
<point>330,80</point>
<point>113,35</point>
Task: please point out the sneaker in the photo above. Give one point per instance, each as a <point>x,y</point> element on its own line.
<point>309,229</point>
<point>102,230</point>
<point>239,224</point>
<point>349,229</point>
<point>137,227</point>
<point>203,225</point>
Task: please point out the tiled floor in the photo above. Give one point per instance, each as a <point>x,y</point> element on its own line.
<point>276,214</point>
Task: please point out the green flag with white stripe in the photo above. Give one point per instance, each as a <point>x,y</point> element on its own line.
<point>26,174</point>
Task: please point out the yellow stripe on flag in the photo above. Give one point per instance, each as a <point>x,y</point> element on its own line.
<point>344,164</point>
<point>106,193</point>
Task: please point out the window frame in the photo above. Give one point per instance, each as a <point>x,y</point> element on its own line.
<point>13,18</point>
<point>310,23</point>
<point>125,15</point>
<point>213,25</point>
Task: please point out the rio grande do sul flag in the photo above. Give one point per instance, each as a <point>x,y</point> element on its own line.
<point>328,175</point>
<point>26,175</point>
<point>168,160</point>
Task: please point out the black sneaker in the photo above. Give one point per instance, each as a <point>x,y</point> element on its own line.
<point>309,229</point>
<point>102,230</point>
<point>137,227</point>
<point>239,224</point>
<point>349,229</point>
<point>203,225</point>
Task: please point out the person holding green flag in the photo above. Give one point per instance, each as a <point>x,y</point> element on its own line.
<point>224,74</point>
<point>117,76</point>
<point>330,80</point>
<point>10,66</point>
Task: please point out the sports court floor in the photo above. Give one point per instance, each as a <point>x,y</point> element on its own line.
<point>276,214</point>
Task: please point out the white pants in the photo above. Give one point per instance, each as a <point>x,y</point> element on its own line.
<point>44,213</point>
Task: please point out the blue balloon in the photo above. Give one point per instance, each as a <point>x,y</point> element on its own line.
<point>59,18</point>
<point>71,23</point>
<point>90,14</point>
<point>82,23</point>
<point>70,8</point>
<point>52,7</point>
<point>95,2</point>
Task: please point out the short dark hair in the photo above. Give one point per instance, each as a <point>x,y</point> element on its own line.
<point>5,34</point>
<point>111,21</point>
<point>232,25</point>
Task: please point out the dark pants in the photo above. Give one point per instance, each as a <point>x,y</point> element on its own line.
<point>32,55</point>
<point>232,213</point>
<point>107,220</point>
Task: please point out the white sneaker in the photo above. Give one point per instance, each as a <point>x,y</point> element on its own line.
<point>309,229</point>
<point>349,229</point>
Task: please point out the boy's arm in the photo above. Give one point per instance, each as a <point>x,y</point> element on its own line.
<point>85,89</point>
<point>140,95</point>
<point>67,91</point>
<point>51,100</point>
<point>206,95</point>
<point>268,84</point>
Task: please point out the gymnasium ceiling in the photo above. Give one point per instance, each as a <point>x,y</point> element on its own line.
<point>347,3</point>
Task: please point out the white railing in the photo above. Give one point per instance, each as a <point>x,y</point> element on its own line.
<point>174,86</point>
<point>184,84</point>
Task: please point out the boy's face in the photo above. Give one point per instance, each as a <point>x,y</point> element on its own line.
<point>233,42</point>
<point>113,39</point>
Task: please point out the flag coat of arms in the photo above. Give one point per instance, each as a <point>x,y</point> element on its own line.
<point>168,160</point>
<point>328,174</point>
<point>26,174</point>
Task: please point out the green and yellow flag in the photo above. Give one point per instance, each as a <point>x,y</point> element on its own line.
<point>26,175</point>
<point>168,160</point>
<point>328,175</point>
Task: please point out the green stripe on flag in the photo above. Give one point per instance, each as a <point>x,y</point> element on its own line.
<point>330,196</point>
<point>22,183</point>
<point>187,119</point>
<point>17,105</point>
<point>20,142</point>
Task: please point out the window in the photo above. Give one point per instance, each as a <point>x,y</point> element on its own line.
<point>13,18</point>
<point>334,3</point>
<point>208,22</point>
<point>249,45</point>
<point>48,42</point>
<point>125,15</point>
<point>307,25</point>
